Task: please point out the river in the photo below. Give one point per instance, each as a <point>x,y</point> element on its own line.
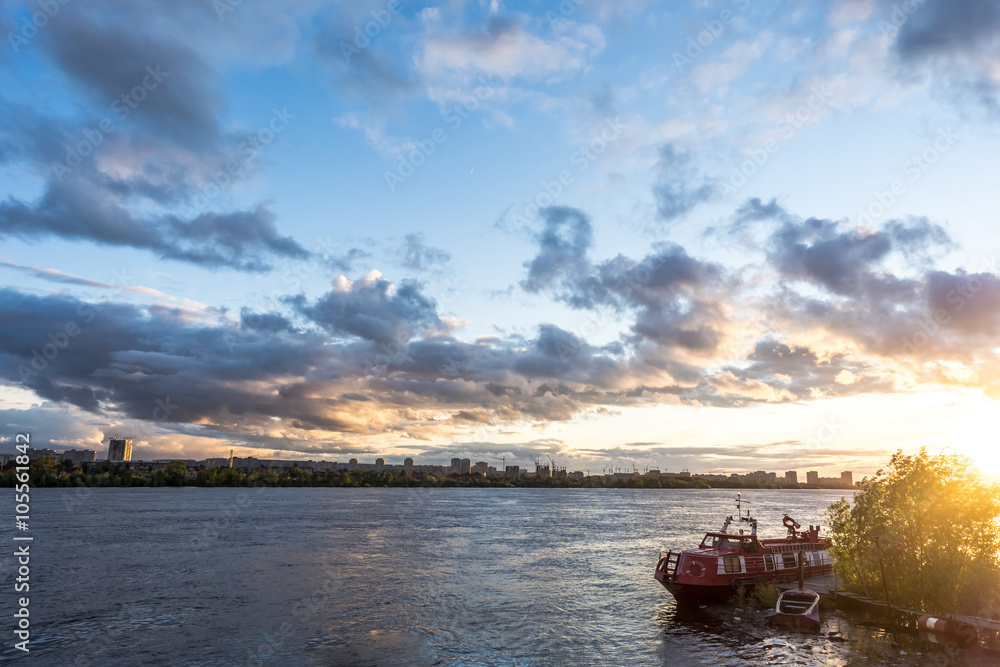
<point>428,576</point>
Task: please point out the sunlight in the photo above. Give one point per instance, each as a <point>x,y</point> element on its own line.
<point>975,431</point>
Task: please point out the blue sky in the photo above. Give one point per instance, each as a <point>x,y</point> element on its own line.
<point>716,235</point>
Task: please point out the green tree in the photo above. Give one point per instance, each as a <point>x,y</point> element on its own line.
<point>922,532</point>
<point>175,474</point>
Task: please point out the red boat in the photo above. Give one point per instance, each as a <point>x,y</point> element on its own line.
<point>725,560</point>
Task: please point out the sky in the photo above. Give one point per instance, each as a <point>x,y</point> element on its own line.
<point>718,236</point>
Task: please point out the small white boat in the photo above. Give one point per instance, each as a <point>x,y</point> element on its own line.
<point>798,607</point>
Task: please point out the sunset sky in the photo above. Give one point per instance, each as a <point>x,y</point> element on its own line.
<point>722,236</point>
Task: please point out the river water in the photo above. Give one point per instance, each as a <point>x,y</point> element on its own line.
<point>300,576</point>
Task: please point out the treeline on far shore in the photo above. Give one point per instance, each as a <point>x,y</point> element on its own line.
<point>46,472</point>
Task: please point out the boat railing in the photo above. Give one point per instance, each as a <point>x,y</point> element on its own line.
<point>775,563</point>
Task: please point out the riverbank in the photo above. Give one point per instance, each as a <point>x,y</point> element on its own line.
<point>104,474</point>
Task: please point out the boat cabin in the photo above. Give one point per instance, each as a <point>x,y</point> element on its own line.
<point>747,544</point>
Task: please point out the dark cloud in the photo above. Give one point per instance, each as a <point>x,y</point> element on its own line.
<point>372,308</point>
<point>879,290</point>
<point>109,57</point>
<point>563,244</point>
<point>345,263</point>
<point>680,186</point>
<point>945,27</point>
<point>847,261</point>
<point>159,365</point>
<point>372,357</point>
<point>357,61</point>
<point>419,256</point>
<point>129,158</point>
<point>956,42</point>
<point>74,210</point>
<point>675,297</point>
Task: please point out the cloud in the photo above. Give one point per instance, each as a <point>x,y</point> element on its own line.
<point>731,65</point>
<point>359,64</point>
<point>676,298</point>
<point>346,262</point>
<point>563,243</point>
<point>372,308</point>
<point>953,42</point>
<point>680,187</point>
<point>372,358</point>
<point>126,156</point>
<point>72,210</point>
<point>419,256</point>
<point>108,57</point>
<point>504,48</point>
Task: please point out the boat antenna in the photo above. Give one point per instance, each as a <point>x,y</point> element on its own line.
<point>746,519</point>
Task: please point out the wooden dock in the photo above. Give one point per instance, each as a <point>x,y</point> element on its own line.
<point>824,585</point>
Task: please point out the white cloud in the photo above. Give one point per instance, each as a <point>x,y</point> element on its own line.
<point>507,50</point>
<point>734,62</point>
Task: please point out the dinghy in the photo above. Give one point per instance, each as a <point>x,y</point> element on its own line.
<point>798,607</point>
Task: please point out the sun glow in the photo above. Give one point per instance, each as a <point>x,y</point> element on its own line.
<point>975,431</point>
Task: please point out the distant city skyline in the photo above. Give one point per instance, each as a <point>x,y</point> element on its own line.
<point>119,451</point>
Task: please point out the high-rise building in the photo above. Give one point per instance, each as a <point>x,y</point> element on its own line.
<point>481,468</point>
<point>847,478</point>
<point>36,453</point>
<point>78,456</point>
<point>466,467</point>
<point>379,463</point>
<point>119,449</point>
<point>812,477</point>
<point>456,466</point>
<point>513,472</point>
<point>408,462</point>
<point>791,477</point>
<point>352,462</point>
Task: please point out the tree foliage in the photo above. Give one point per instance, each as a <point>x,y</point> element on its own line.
<point>930,524</point>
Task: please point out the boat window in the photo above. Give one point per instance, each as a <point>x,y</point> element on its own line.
<point>768,562</point>
<point>749,545</point>
<point>718,542</point>
<point>788,560</point>
<point>732,564</point>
